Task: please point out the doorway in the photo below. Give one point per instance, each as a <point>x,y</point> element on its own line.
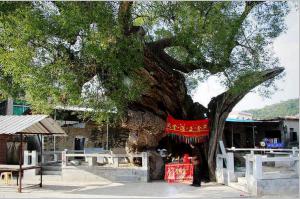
<point>79,143</point>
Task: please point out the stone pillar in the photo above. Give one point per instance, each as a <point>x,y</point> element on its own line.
<point>248,166</point>
<point>145,160</point>
<point>219,169</point>
<point>145,166</point>
<point>34,158</point>
<point>64,159</point>
<point>92,161</point>
<point>34,162</point>
<point>219,162</point>
<point>294,151</point>
<point>230,167</point>
<point>116,161</point>
<point>55,157</point>
<point>257,167</point>
<point>26,157</point>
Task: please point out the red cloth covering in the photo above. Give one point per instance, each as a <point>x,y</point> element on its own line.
<point>179,172</point>
<point>187,128</point>
<point>186,158</point>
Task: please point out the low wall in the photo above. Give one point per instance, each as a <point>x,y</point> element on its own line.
<point>274,186</point>
<point>98,174</point>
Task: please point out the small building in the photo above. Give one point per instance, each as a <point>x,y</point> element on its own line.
<point>84,134</point>
<point>14,107</point>
<point>247,133</point>
<point>289,130</point>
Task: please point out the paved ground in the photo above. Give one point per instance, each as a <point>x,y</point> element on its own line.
<point>159,189</point>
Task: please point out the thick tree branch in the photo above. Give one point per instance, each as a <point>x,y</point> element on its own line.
<point>124,16</point>
<point>163,43</point>
<point>125,19</point>
<point>231,42</point>
<point>158,48</point>
<point>220,106</point>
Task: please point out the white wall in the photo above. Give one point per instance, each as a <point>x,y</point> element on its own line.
<point>291,124</point>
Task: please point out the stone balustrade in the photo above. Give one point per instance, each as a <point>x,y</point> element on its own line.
<point>282,176</point>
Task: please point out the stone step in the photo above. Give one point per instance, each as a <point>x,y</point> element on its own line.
<point>51,172</point>
<point>126,179</point>
<point>239,186</point>
<point>52,168</point>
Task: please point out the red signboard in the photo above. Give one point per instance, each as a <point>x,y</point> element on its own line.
<point>179,172</point>
<point>198,129</point>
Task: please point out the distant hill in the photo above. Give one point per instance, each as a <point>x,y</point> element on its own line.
<point>285,108</point>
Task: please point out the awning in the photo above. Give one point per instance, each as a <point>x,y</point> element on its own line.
<point>250,121</point>
<point>241,120</point>
<point>29,124</point>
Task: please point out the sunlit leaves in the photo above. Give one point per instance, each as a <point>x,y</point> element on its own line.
<point>50,50</point>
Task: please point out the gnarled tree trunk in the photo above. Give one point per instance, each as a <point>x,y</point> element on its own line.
<point>167,93</point>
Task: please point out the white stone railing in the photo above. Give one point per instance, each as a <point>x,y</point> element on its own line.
<point>51,156</point>
<point>293,150</point>
<point>112,159</point>
<point>254,165</point>
<point>30,158</point>
<point>225,172</point>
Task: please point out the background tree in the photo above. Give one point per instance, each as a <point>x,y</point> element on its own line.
<point>136,58</point>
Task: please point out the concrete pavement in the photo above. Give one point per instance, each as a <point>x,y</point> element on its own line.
<point>157,189</point>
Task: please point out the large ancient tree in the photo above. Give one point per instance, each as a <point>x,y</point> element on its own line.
<point>138,59</point>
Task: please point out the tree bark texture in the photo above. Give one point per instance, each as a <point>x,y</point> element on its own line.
<point>167,94</point>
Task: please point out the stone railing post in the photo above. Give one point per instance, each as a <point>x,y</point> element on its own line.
<point>145,160</point>
<point>34,158</point>
<point>219,169</point>
<point>219,162</point>
<point>92,161</point>
<point>294,151</point>
<point>55,157</point>
<point>145,166</point>
<point>26,158</point>
<point>43,158</point>
<point>230,167</point>
<point>116,161</point>
<point>248,166</point>
<point>64,159</point>
<point>257,167</point>
<point>34,162</point>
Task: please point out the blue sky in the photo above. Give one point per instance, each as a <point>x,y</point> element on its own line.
<point>286,47</point>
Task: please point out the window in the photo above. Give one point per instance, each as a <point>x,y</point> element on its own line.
<point>293,135</point>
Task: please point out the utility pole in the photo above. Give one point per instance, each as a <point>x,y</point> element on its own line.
<point>107,133</point>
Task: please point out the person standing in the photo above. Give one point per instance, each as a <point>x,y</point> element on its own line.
<point>196,160</point>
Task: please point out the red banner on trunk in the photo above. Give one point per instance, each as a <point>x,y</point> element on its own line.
<point>187,128</point>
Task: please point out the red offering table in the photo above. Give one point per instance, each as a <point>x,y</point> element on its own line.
<point>179,172</point>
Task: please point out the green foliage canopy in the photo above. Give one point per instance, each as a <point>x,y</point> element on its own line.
<point>284,108</point>
<point>49,51</point>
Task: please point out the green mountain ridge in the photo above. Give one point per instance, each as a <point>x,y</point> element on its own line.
<point>281,109</point>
